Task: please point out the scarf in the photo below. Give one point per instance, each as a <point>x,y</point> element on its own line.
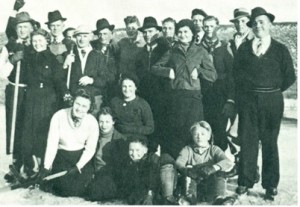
<point>210,44</point>
<point>107,135</point>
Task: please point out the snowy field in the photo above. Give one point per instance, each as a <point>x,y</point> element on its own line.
<point>287,187</point>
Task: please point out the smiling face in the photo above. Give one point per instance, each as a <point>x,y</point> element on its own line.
<point>185,35</point>
<point>56,28</point>
<point>198,22</point>
<point>128,89</point>
<point>24,29</point>
<point>201,136</point>
<point>261,26</point>
<point>137,151</point>
<point>241,25</point>
<point>168,29</point>
<point>83,40</point>
<point>106,123</point>
<point>81,107</point>
<point>150,34</point>
<point>39,43</point>
<point>210,27</point>
<point>105,36</point>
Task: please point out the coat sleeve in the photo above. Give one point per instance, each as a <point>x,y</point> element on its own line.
<point>59,77</point>
<point>221,160</point>
<point>159,68</point>
<point>287,69</point>
<point>182,160</point>
<point>102,72</point>
<point>230,86</point>
<point>206,69</point>
<point>154,173</point>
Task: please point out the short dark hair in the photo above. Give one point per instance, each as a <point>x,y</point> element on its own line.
<point>130,76</point>
<point>67,30</point>
<point>169,19</point>
<point>138,139</point>
<point>131,19</point>
<point>105,111</point>
<point>208,18</point>
<point>85,94</point>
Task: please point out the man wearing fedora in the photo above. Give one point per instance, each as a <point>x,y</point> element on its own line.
<point>152,88</point>
<point>10,28</point>
<point>263,69</point>
<point>17,48</point>
<point>88,67</point>
<point>197,17</point>
<point>243,32</point>
<point>107,48</point>
<point>58,45</point>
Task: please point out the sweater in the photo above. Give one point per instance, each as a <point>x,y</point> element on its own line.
<point>213,155</point>
<point>273,70</point>
<point>133,117</point>
<point>64,135</point>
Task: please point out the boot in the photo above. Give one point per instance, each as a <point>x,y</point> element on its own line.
<point>168,179</point>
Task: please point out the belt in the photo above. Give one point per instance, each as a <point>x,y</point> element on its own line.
<point>20,84</point>
<point>265,90</point>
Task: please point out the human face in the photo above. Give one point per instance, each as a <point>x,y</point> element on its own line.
<point>198,22</point>
<point>241,25</point>
<point>201,136</point>
<point>150,34</point>
<point>132,30</point>
<point>105,36</point>
<point>69,35</point>
<point>128,88</point>
<point>168,29</point>
<point>210,28</point>
<point>56,28</point>
<point>106,123</point>
<point>83,40</point>
<point>81,107</point>
<point>185,35</point>
<point>137,151</point>
<point>261,26</point>
<point>24,29</point>
<point>39,43</point>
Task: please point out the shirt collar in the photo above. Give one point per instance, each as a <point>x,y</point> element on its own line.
<point>86,49</point>
<point>59,38</point>
<point>20,41</point>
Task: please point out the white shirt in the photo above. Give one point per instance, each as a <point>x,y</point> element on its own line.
<point>238,39</point>
<point>264,43</point>
<point>59,38</point>
<point>64,135</point>
<point>83,59</point>
<point>200,35</point>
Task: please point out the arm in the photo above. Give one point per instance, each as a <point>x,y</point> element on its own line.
<point>59,77</point>
<point>90,145</point>
<point>206,69</point>
<point>229,81</point>
<point>221,160</point>
<point>154,173</point>
<point>102,72</point>
<point>159,67</point>
<point>288,70</point>
<point>52,142</point>
<point>182,160</point>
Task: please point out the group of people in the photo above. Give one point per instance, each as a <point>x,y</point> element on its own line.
<point>144,118</point>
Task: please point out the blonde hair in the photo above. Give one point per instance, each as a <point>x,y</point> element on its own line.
<point>202,124</point>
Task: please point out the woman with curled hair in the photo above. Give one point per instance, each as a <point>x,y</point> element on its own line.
<point>71,144</point>
<point>45,90</point>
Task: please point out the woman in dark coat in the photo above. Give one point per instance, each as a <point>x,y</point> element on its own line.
<point>45,90</point>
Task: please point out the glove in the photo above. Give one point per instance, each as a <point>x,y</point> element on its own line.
<point>18,4</point>
<point>69,60</point>
<point>42,174</point>
<point>229,110</point>
<point>19,55</point>
<point>73,171</point>
<point>206,171</point>
<point>148,200</point>
<point>192,173</point>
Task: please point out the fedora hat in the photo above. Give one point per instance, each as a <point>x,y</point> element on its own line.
<point>82,29</point>
<point>238,13</point>
<point>103,24</point>
<point>148,23</point>
<point>258,11</point>
<point>55,16</point>
<point>23,17</point>
<point>199,12</point>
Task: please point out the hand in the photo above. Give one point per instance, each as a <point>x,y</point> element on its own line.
<point>19,55</point>
<point>172,74</point>
<point>206,171</point>
<point>85,80</point>
<point>18,4</point>
<point>148,200</point>
<point>194,74</point>
<point>73,171</point>
<point>229,110</point>
<point>192,172</point>
<point>69,60</point>
<point>42,174</point>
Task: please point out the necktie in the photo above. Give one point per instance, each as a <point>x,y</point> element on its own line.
<point>55,41</point>
<point>83,53</point>
<point>259,49</point>
<point>197,38</point>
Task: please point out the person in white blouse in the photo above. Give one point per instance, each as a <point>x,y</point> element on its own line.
<point>72,141</point>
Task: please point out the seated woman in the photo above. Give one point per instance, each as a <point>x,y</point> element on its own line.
<point>133,114</point>
<point>72,142</point>
<point>111,151</point>
<point>203,163</point>
<point>140,174</point>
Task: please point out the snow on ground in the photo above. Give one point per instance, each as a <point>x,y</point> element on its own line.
<point>287,187</point>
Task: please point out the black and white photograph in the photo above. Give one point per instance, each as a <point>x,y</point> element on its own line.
<point>148,102</point>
